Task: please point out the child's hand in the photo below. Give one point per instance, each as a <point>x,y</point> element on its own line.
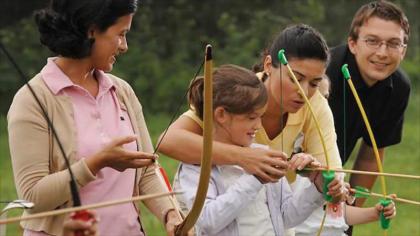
<point>389,211</point>
<point>336,188</point>
<point>349,194</point>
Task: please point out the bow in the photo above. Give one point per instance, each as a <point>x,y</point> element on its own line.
<point>327,174</point>
<point>159,170</point>
<point>384,202</point>
<point>203,183</point>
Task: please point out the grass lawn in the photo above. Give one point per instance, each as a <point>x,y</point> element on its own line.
<point>401,158</point>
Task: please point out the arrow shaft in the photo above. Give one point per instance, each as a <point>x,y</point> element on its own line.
<point>85,207</point>
<point>360,172</point>
<point>396,199</point>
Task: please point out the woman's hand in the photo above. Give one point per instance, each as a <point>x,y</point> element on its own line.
<point>265,164</point>
<point>172,221</point>
<point>115,156</point>
<point>349,194</point>
<point>89,228</point>
<point>337,189</point>
<point>302,160</point>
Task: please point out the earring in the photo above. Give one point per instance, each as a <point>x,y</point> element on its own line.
<point>91,34</point>
<point>265,76</point>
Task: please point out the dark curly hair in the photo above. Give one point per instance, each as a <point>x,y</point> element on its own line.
<point>64,24</point>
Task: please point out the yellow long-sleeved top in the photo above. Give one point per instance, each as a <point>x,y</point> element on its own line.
<point>298,123</point>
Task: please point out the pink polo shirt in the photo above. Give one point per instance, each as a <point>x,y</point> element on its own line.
<point>98,121</point>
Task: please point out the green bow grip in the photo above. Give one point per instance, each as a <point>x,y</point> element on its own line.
<point>345,71</point>
<point>282,57</point>
<point>385,223</point>
<point>328,177</point>
<point>361,192</point>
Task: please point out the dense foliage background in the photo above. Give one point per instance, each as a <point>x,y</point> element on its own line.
<point>168,36</point>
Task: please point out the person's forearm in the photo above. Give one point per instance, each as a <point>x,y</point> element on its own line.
<point>186,146</point>
<point>356,216</point>
<point>52,190</point>
<point>95,163</point>
<point>150,183</point>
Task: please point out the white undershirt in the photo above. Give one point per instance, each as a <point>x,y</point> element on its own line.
<point>312,223</point>
<point>254,219</point>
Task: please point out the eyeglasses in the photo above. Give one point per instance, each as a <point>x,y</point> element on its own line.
<point>374,43</point>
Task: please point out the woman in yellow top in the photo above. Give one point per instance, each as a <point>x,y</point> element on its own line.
<point>287,123</point>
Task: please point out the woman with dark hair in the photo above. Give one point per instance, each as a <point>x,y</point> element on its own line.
<point>237,203</point>
<point>96,116</point>
<point>287,124</point>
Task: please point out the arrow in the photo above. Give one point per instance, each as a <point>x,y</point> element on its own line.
<point>86,207</point>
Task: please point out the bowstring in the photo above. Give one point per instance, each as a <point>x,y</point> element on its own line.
<point>175,114</point>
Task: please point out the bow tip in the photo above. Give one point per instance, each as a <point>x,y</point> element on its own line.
<point>208,52</point>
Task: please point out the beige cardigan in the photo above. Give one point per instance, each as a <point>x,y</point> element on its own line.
<point>39,169</point>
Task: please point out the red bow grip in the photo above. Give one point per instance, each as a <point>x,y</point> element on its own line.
<point>82,215</point>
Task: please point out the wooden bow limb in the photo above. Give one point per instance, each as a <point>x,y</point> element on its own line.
<point>85,207</point>
<point>205,171</point>
<point>360,172</point>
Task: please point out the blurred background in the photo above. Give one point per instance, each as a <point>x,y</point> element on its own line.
<point>166,45</point>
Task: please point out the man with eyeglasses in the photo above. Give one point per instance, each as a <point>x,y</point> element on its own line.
<point>375,47</point>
